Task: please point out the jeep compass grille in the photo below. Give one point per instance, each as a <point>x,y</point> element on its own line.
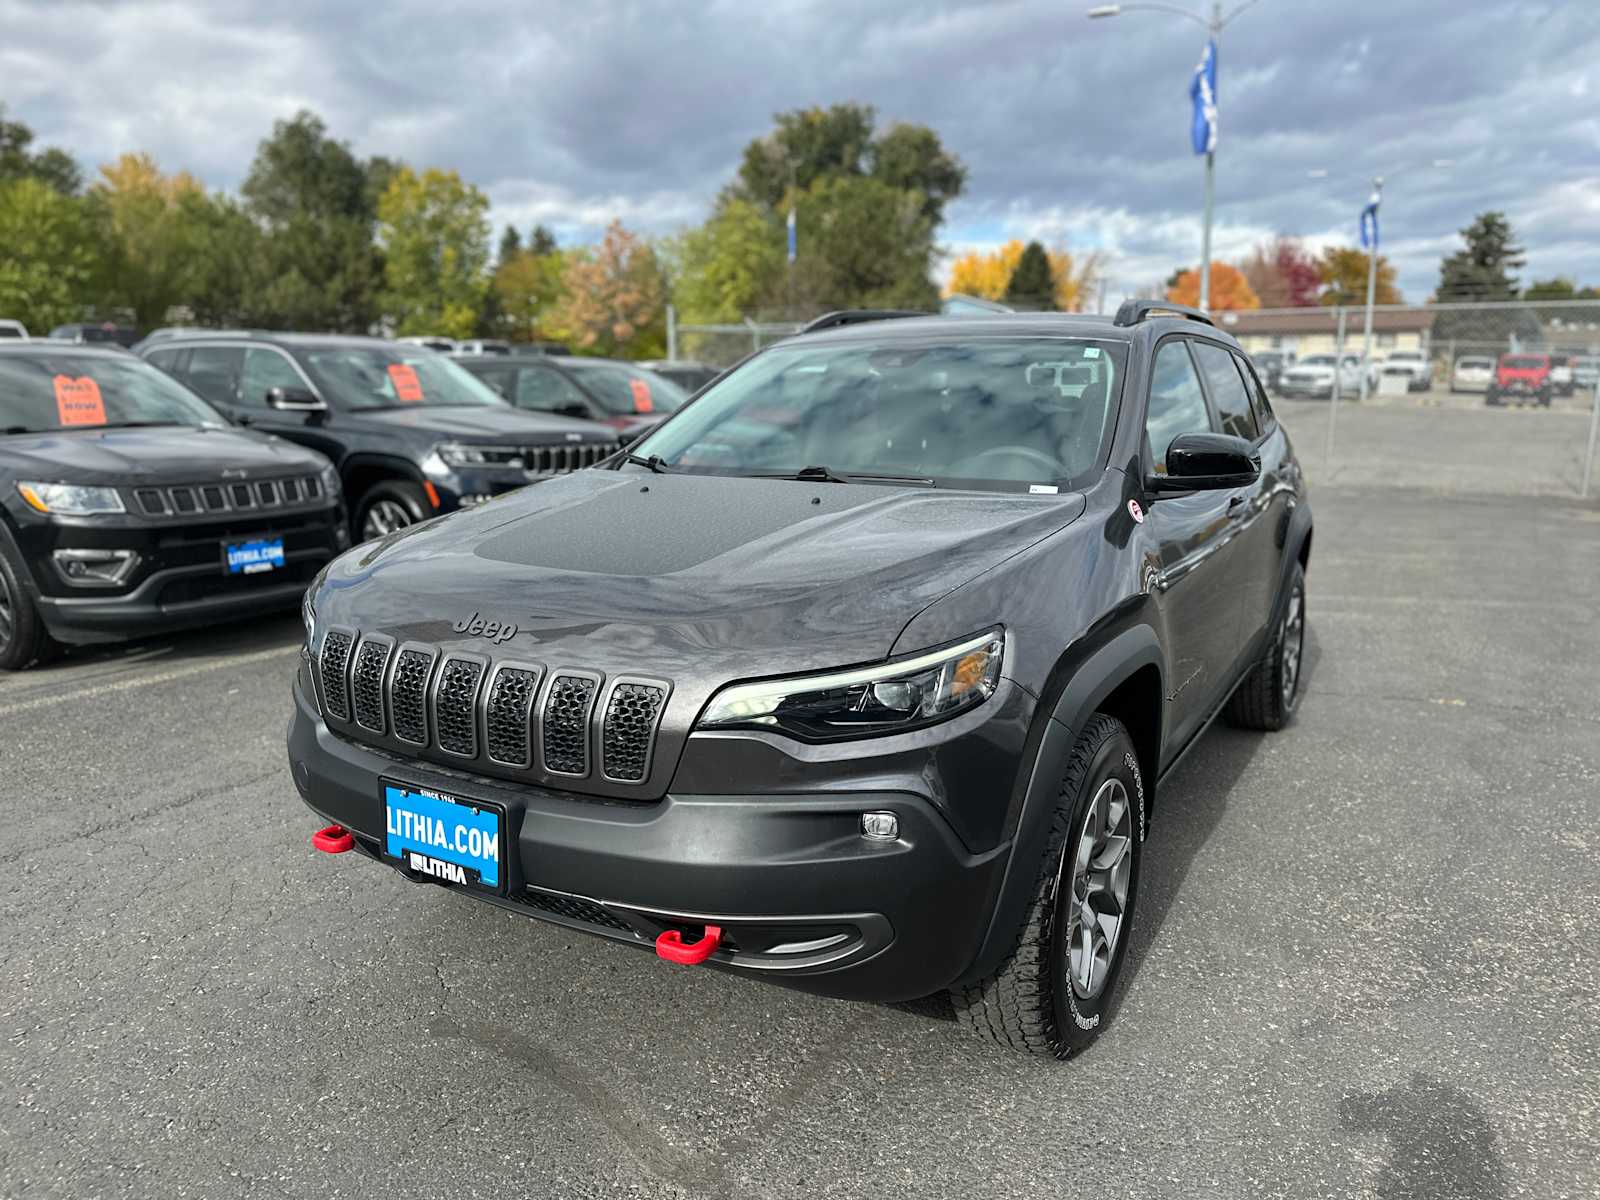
<point>566,725</point>
<point>629,727</point>
<point>455,711</point>
<point>335,660</point>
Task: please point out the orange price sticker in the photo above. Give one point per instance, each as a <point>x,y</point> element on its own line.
<point>641,396</point>
<point>78,401</point>
<point>407,387</point>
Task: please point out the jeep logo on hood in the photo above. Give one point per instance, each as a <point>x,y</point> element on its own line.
<point>494,631</point>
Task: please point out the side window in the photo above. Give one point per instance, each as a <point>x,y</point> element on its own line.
<point>1227,390</point>
<point>501,379</point>
<point>214,372</point>
<point>1258,395</point>
<point>544,390</point>
<point>264,370</point>
<point>169,360</point>
<point>1177,405</point>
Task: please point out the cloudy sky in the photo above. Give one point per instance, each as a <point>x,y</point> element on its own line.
<point>571,112</point>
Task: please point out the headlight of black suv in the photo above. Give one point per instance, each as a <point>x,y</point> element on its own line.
<point>890,698</point>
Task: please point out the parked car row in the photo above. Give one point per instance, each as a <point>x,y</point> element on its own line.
<point>447,345</point>
<point>213,474</point>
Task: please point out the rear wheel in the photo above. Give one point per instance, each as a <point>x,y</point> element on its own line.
<point>387,507</point>
<point>1052,994</point>
<point>24,641</point>
<point>1267,697</point>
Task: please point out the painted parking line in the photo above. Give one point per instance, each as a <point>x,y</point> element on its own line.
<point>126,685</point>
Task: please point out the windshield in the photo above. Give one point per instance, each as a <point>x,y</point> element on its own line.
<point>367,377</point>
<point>1475,364</point>
<point>1018,412</point>
<point>1317,360</point>
<point>48,390</point>
<point>1405,356</point>
<point>1525,363</point>
<point>623,390</point>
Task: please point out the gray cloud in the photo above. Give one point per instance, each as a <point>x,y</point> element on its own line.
<point>1074,130</point>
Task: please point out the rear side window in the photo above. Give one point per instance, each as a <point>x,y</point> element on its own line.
<point>1177,405</point>
<point>1227,390</point>
<point>214,372</point>
<point>1258,395</point>
<point>545,390</point>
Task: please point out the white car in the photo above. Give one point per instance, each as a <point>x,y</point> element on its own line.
<point>13,329</point>
<point>1472,374</point>
<point>1414,364</point>
<point>1315,374</point>
<point>433,341</point>
<point>1561,377</point>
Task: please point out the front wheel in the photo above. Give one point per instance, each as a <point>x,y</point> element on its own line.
<point>24,641</point>
<point>1052,995</point>
<point>387,507</point>
<point>1267,697</point>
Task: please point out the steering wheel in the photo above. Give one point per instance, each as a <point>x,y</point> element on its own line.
<point>1050,467</point>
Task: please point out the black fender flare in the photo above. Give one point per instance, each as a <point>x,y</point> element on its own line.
<point>1081,682</point>
<point>1296,532</point>
<point>391,465</point>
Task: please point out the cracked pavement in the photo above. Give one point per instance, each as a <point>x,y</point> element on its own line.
<point>1365,951</point>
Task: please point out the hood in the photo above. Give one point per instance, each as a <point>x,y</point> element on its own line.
<point>697,579</point>
<point>1310,370</point>
<point>489,424</point>
<point>162,454</point>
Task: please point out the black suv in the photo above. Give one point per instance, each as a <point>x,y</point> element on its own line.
<point>411,434</point>
<point>631,400</point>
<point>859,675</point>
<point>128,505</point>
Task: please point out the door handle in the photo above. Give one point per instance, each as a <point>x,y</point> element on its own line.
<point>1234,502</point>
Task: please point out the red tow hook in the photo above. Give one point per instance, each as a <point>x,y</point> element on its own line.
<point>670,946</point>
<point>335,839</point>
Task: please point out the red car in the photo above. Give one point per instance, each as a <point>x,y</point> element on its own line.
<point>1521,379</point>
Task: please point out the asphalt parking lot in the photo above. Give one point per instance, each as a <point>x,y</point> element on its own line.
<point>1365,960</point>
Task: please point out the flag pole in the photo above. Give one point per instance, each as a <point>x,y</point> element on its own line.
<point>1372,286</point>
<point>1215,30</point>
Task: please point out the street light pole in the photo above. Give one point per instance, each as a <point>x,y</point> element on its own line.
<point>1372,288</point>
<point>1213,27</point>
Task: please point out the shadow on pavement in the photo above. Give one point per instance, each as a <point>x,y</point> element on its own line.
<point>1440,1142</point>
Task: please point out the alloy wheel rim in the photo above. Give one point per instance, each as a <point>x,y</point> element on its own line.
<point>1098,904</point>
<point>1294,635</point>
<point>7,614</point>
<point>385,516</point>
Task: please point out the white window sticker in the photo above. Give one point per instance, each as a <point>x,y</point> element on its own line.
<point>1042,489</point>
<point>1091,351</point>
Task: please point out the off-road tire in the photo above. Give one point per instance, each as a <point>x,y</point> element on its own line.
<point>1028,1003</point>
<point>24,641</point>
<point>1262,700</point>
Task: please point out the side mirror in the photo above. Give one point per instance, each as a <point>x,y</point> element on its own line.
<point>1204,462</point>
<point>294,399</point>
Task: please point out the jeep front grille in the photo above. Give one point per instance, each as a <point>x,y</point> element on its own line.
<point>557,460</point>
<point>520,720</point>
<point>205,499</point>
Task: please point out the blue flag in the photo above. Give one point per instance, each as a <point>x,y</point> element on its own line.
<point>1369,224</point>
<point>791,235</point>
<point>1203,91</point>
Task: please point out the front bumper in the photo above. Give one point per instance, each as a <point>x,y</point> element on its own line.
<point>803,899</point>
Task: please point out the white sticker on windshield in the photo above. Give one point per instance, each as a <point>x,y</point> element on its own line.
<point>1091,351</point>
<point>1042,489</point>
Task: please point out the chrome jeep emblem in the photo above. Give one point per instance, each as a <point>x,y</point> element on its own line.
<point>494,631</point>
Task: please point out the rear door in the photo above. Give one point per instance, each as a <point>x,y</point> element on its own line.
<point>1196,587</point>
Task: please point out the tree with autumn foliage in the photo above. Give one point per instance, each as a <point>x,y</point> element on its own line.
<point>615,301</point>
<point>989,275</point>
<point>1282,274</point>
<point>145,231</point>
<point>1344,277</point>
<point>1230,290</point>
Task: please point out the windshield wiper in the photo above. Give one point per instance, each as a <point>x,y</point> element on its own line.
<point>829,475</point>
<point>137,424</point>
<point>653,462</point>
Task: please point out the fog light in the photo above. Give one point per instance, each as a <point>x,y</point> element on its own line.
<point>95,568</point>
<point>880,826</point>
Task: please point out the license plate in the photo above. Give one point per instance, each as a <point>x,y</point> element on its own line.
<point>444,837</point>
<point>252,558</point>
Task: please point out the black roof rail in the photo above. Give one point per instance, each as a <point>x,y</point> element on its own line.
<point>1134,311</point>
<point>859,316</point>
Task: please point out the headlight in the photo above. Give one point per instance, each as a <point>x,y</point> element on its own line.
<point>889,698</point>
<point>330,482</point>
<point>455,454</point>
<point>308,614</point>
<point>70,499</point>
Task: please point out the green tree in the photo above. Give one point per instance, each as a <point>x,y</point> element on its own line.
<point>147,236</point>
<point>525,291</point>
<point>1032,286</point>
<point>53,167</point>
<point>48,269</point>
<point>510,245</point>
<point>863,244</point>
<point>615,299</point>
<point>1344,278</point>
<point>434,230</point>
<point>1560,288</point>
<point>731,265</point>
<point>541,241</point>
<point>316,203</point>
<point>911,157</point>
<point>1482,271</point>
<point>224,277</point>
